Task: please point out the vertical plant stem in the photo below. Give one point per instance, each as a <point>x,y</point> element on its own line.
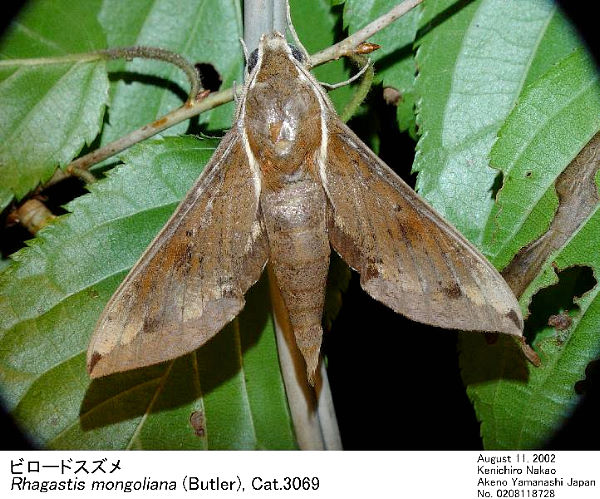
<point>311,408</point>
<point>258,19</point>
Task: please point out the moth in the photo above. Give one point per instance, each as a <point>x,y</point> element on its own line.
<point>287,183</point>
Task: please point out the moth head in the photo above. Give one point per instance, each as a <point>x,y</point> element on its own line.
<point>270,44</point>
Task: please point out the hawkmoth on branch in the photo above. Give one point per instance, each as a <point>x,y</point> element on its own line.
<point>288,182</point>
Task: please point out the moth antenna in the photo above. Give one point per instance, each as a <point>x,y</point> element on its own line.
<point>246,57</point>
<point>332,86</point>
<point>245,49</point>
<point>235,93</point>
<point>292,30</point>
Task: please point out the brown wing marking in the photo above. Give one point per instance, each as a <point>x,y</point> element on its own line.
<point>191,280</point>
<point>408,256</point>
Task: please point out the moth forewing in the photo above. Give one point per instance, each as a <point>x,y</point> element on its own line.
<point>288,180</point>
<point>408,256</point>
<point>191,280</point>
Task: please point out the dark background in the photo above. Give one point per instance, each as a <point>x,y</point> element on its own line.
<point>387,396</point>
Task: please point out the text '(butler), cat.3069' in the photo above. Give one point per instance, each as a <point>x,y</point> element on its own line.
<point>288,182</point>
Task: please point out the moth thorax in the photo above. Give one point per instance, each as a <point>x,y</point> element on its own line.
<point>284,133</point>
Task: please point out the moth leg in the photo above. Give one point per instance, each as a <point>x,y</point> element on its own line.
<point>235,92</point>
<point>333,86</point>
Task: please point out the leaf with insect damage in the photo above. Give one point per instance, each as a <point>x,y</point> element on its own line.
<point>50,300</point>
<point>554,118</point>
<point>549,152</point>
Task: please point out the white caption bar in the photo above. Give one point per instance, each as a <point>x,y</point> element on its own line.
<point>166,474</point>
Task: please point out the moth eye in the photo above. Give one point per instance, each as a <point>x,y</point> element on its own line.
<point>252,60</point>
<point>297,54</point>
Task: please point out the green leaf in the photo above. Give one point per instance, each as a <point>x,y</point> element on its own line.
<point>6,196</point>
<point>523,406</point>
<point>474,60</point>
<point>315,23</point>
<point>47,28</point>
<point>394,61</point>
<point>49,108</point>
<point>554,118</point>
<point>4,262</point>
<point>50,300</point>
<point>143,90</point>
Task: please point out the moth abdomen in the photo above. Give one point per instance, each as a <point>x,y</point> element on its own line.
<point>295,222</point>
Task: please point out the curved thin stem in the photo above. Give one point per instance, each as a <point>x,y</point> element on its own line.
<point>82,174</point>
<point>362,89</point>
<point>41,61</point>
<point>161,55</point>
<point>120,53</point>
<point>33,214</point>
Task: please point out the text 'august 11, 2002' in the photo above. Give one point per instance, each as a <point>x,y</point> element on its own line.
<point>528,474</point>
